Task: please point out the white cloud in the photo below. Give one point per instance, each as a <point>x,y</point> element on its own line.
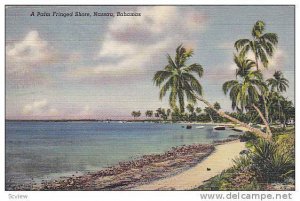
<point>276,62</point>
<point>39,108</point>
<point>229,67</point>
<point>134,43</point>
<point>31,49</point>
<point>25,56</point>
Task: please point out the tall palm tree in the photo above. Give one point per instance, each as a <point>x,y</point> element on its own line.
<point>246,89</point>
<point>278,83</point>
<point>262,44</point>
<point>179,79</point>
<point>244,67</point>
<point>275,101</point>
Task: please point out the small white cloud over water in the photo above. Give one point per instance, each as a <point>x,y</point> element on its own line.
<point>39,108</point>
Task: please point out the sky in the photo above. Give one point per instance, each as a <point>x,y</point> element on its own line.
<point>99,67</point>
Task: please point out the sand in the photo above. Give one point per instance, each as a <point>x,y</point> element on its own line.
<point>218,161</point>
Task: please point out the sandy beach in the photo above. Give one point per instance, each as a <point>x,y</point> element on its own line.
<point>219,160</point>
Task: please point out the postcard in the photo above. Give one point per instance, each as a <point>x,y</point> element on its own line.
<point>150,98</point>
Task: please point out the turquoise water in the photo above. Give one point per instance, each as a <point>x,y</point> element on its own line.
<point>46,150</point>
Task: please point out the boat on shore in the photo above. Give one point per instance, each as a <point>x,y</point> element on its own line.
<point>237,130</point>
<point>188,126</point>
<point>219,128</point>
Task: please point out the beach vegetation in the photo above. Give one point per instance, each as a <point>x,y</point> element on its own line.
<point>136,114</point>
<point>149,113</point>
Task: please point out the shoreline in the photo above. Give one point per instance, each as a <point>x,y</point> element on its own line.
<point>214,164</point>
<point>132,174</point>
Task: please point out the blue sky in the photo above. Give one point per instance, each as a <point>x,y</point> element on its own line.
<point>102,67</point>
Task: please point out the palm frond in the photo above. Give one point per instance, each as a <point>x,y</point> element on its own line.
<point>171,62</point>
<point>263,57</point>
<point>270,37</point>
<point>229,84</point>
<point>197,68</point>
<point>241,43</point>
<point>165,88</point>
<point>160,76</point>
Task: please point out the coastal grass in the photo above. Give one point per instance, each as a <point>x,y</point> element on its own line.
<point>267,166</point>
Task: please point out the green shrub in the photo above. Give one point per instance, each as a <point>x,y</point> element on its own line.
<point>231,179</point>
<point>270,162</point>
<point>241,163</point>
<point>248,136</point>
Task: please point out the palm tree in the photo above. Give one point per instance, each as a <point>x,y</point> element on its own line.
<point>217,106</point>
<point>178,78</point>
<point>149,113</point>
<point>246,89</point>
<point>180,81</point>
<point>275,101</point>
<point>190,108</point>
<point>209,112</point>
<point>198,110</point>
<point>261,44</point>
<point>168,112</point>
<point>136,114</point>
<point>278,82</point>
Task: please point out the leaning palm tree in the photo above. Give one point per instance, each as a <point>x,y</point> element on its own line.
<point>178,79</point>
<point>246,89</point>
<point>262,44</point>
<point>278,83</point>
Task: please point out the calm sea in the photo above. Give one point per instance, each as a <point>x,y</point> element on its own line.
<point>48,150</point>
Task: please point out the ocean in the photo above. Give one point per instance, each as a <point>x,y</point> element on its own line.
<point>40,150</point>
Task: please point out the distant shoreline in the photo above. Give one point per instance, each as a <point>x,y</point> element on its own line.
<point>121,120</point>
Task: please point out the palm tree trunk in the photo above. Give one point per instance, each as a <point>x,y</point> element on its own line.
<point>266,108</point>
<point>211,119</point>
<point>256,131</point>
<point>268,130</point>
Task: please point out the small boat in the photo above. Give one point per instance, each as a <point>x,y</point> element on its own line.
<point>219,128</point>
<point>188,126</point>
<point>199,127</point>
<point>237,130</point>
